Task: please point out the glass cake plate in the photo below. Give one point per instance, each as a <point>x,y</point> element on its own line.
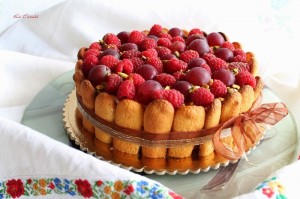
<point>45,114</point>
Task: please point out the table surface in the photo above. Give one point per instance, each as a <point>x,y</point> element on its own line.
<point>44,114</point>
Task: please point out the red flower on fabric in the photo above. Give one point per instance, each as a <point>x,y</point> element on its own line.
<point>129,189</point>
<point>15,188</point>
<point>268,192</point>
<point>84,188</point>
<point>174,195</point>
<point>99,183</point>
<point>51,185</point>
<point>29,181</point>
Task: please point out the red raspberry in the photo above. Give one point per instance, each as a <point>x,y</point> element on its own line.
<point>188,55</point>
<point>125,66</point>
<point>92,51</point>
<point>165,35</point>
<point>195,31</point>
<point>111,38</point>
<point>165,79</point>
<point>126,90</point>
<point>239,56</point>
<point>217,63</point>
<point>161,51</point>
<point>149,53</point>
<point>245,78</point>
<point>147,43</point>
<point>218,88</point>
<point>109,60</point>
<point>228,45</point>
<point>88,63</point>
<point>174,65</point>
<point>128,54</point>
<point>239,66</point>
<point>208,56</point>
<point>113,83</point>
<point>179,75</point>
<point>164,42</point>
<point>96,45</point>
<point>136,37</point>
<point>177,38</point>
<point>136,78</point>
<point>136,61</point>
<point>202,97</point>
<point>156,63</point>
<point>173,96</point>
<point>156,29</point>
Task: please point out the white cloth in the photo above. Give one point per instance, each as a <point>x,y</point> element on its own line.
<point>36,50</point>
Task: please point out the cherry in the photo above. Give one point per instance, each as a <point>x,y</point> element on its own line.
<point>215,39</point>
<point>183,87</point>
<point>175,32</point>
<point>200,46</point>
<point>146,89</point>
<point>198,76</point>
<point>224,53</point>
<point>224,75</point>
<point>196,62</point>
<point>147,71</point>
<point>98,74</point>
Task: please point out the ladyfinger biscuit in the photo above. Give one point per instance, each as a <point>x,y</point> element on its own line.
<point>259,87</point>
<point>88,100</point>
<point>247,93</point>
<point>212,119</point>
<point>105,108</point>
<point>81,52</point>
<point>231,106</point>
<point>78,77</point>
<point>129,114</point>
<point>186,119</point>
<point>158,119</point>
<point>78,65</point>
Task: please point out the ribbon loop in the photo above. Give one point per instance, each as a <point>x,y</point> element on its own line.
<point>247,128</point>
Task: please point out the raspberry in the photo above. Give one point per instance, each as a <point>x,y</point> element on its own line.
<point>174,65</point>
<point>109,60</point>
<point>218,88</point>
<point>128,54</point>
<point>177,38</point>
<point>239,56</point>
<point>88,63</point>
<point>126,90</point>
<point>165,79</point>
<point>156,63</point>
<point>92,51</point>
<point>136,78</point>
<point>228,45</point>
<point>149,53</point>
<point>96,46</point>
<point>214,62</point>
<point>217,63</point>
<point>245,78</point>
<point>147,43</point>
<point>195,31</point>
<point>164,42</point>
<point>202,97</point>
<point>161,51</point>
<point>173,96</point>
<point>136,61</point>
<point>179,75</point>
<point>136,37</point>
<point>113,82</point>
<point>165,35</point>
<point>111,38</point>
<point>239,66</point>
<point>156,29</point>
<point>125,66</point>
<point>188,55</point>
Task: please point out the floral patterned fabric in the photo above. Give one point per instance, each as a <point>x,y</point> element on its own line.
<point>27,188</point>
<point>272,188</point>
